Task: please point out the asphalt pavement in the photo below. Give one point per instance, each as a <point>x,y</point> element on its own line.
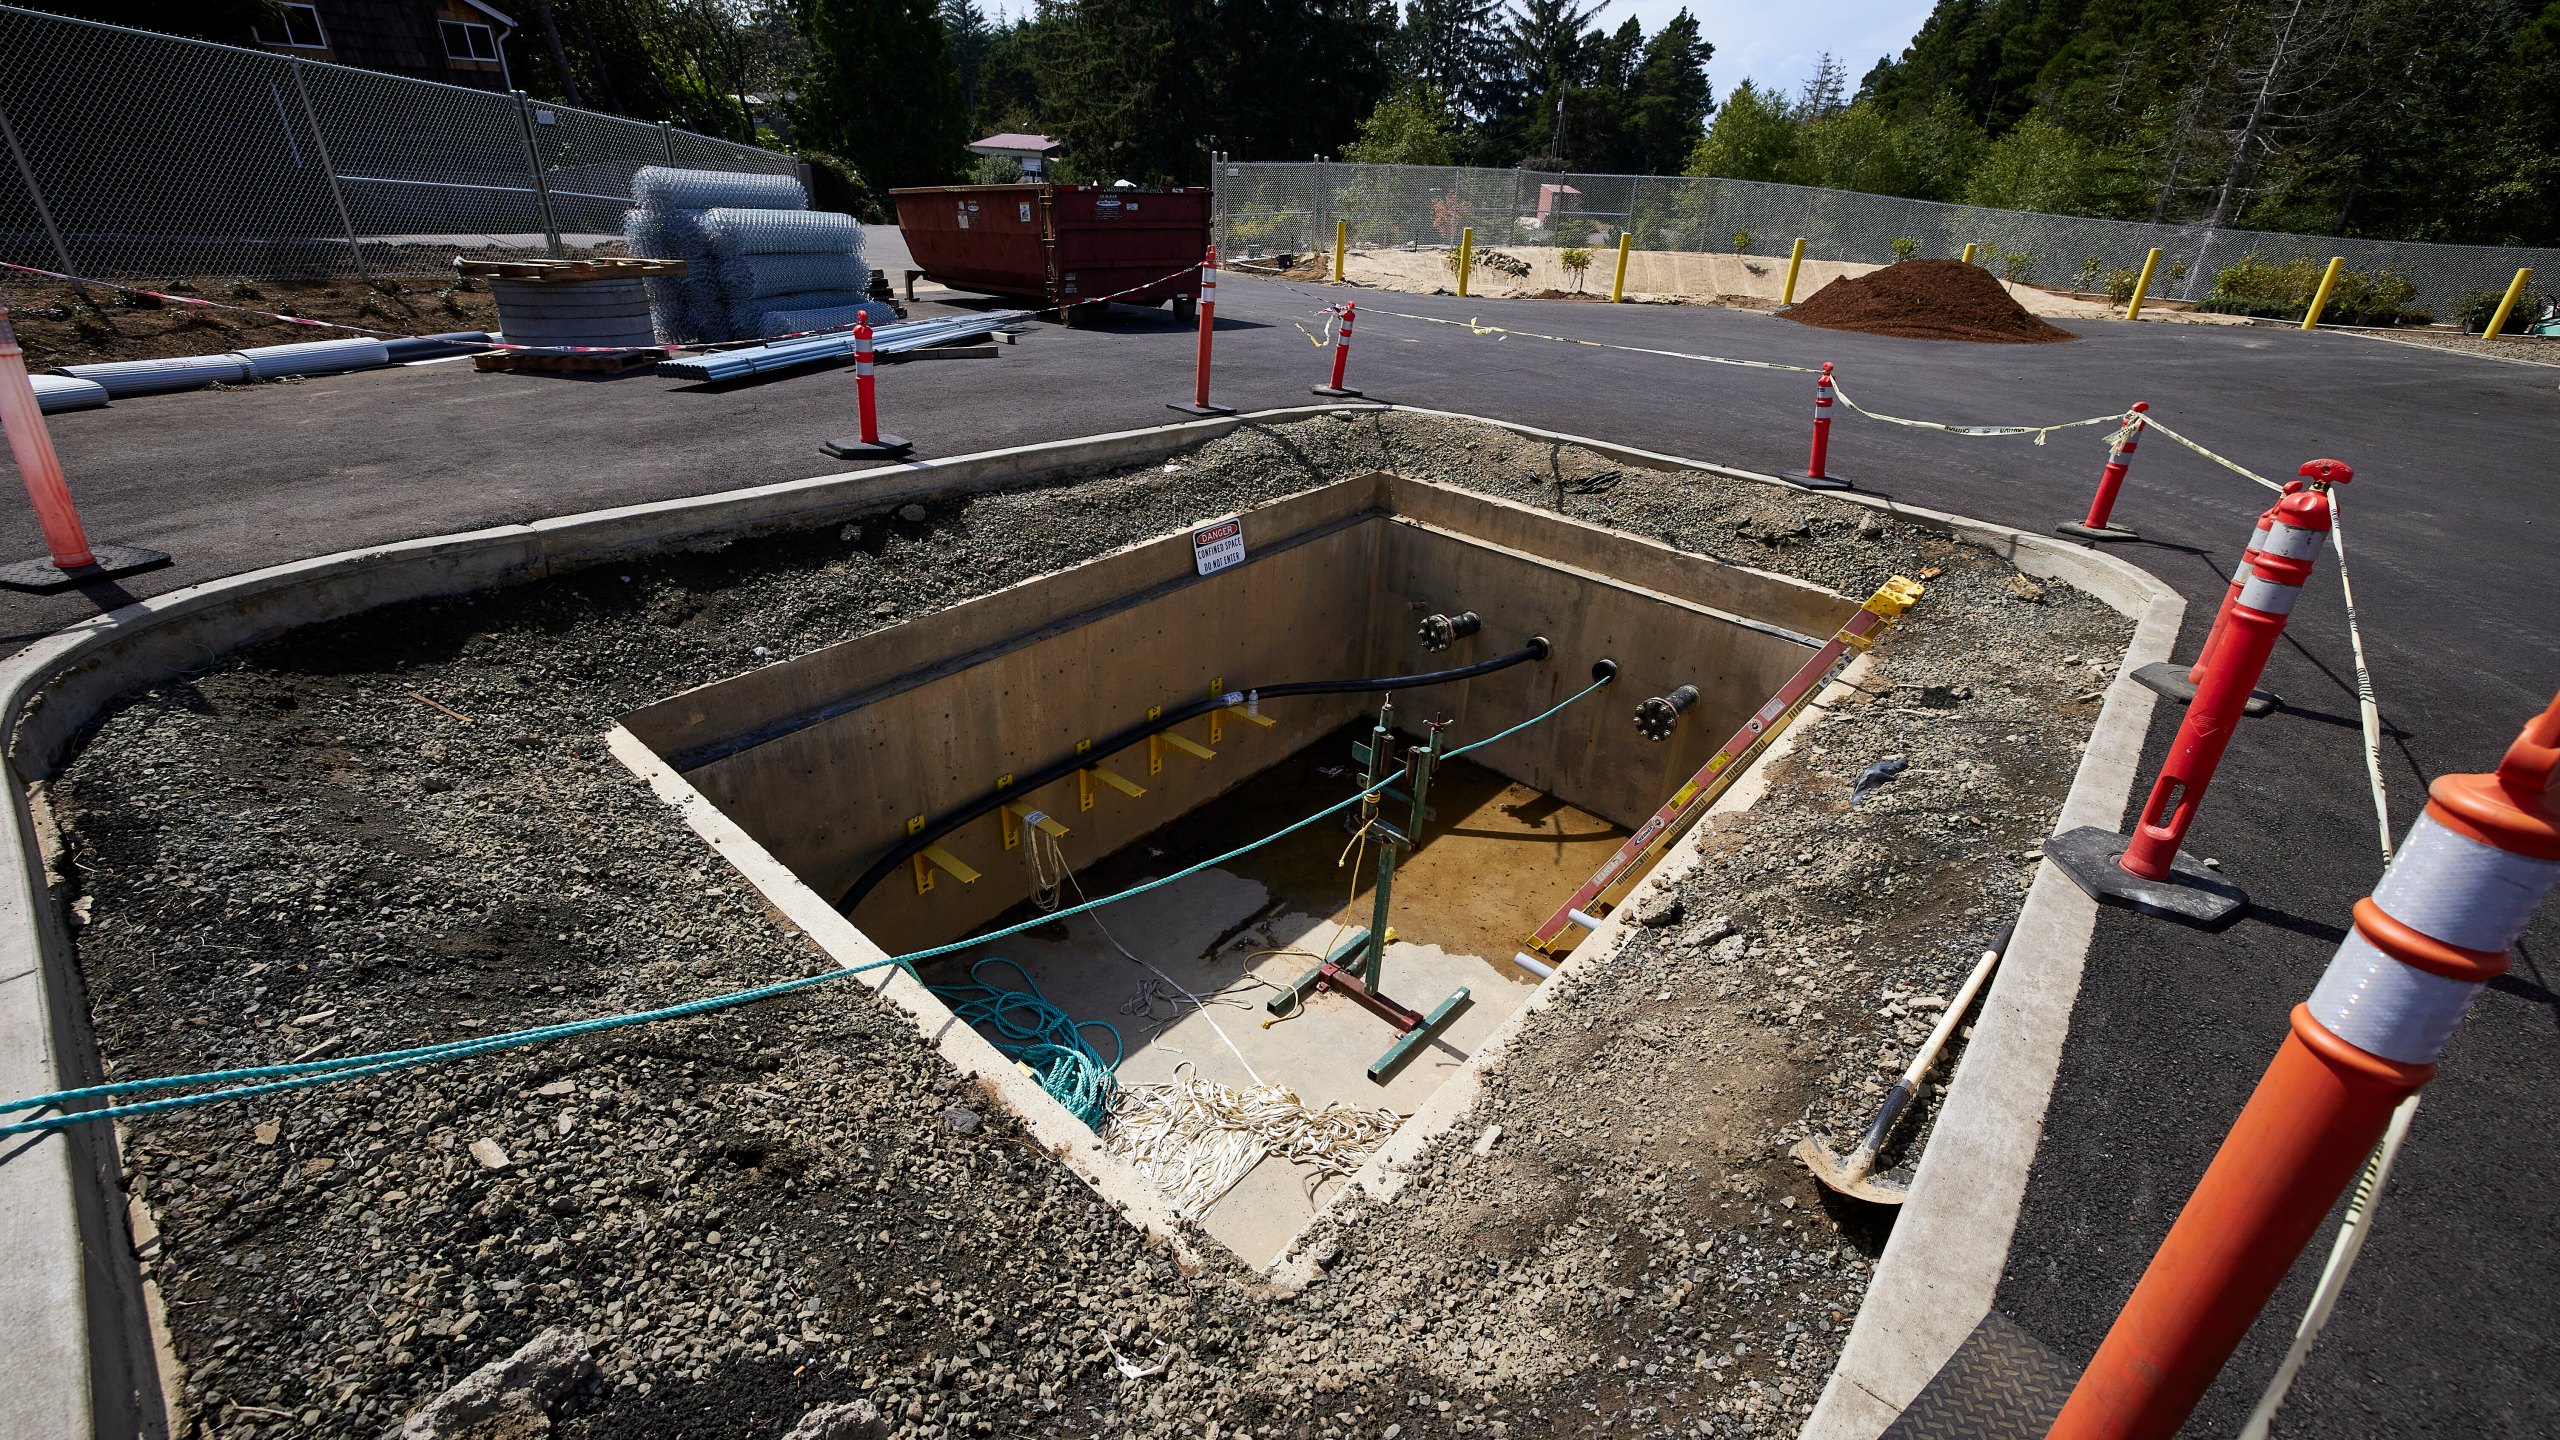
<point>2452,530</point>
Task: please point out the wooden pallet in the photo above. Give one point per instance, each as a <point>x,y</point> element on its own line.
<point>592,362</point>
<point>560,272</point>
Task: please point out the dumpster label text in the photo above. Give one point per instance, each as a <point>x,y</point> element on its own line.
<point>1217,545</point>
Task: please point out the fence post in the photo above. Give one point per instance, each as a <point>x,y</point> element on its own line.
<point>1795,262</point>
<point>328,167</point>
<point>541,182</point>
<point>667,141</point>
<point>2320,297</point>
<point>1466,256</point>
<point>1618,286</point>
<point>2497,322</point>
<point>1341,239</point>
<point>2142,286</point>
<point>44,212</point>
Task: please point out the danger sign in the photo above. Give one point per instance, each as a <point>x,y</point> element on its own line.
<point>1217,545</point>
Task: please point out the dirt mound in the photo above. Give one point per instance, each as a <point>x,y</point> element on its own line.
<point>1927,300</point>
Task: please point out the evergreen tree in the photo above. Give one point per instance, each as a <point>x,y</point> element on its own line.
<point>1409,127</point>
<point>880,92</point>
<point>1668,98</point>
<point>966,32</point>
<point>1125,91</point>
<point>1753,138</point>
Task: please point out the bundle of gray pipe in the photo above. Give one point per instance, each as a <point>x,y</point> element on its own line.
<point>801,322</point>
<point>750,247</point>
<point>56,394</point>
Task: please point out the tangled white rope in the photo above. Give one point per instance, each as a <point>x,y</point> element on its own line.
<point>1194,1139</point>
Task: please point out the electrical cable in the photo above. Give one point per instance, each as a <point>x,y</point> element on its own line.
<point>937,830</point>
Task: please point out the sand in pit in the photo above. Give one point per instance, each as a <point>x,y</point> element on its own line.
<point>1927,300</point>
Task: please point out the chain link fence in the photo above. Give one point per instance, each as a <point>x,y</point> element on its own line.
<point>1292,209</point>
<point>129,154</point>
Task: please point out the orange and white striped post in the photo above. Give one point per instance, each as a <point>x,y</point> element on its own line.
<point>2145,870</point>
<point>71,559</point>
<point>870,444</point>
<point>2111,480</point>
<point>2435,931</point>
<point>2172,681</point>
<point>1341,356</point>
<point>1813,476</point>
<point>1208,323</point>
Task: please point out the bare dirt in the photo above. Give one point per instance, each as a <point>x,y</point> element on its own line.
<point>60,325</point>
<point>755,1212</point>
<point>1927,300</point>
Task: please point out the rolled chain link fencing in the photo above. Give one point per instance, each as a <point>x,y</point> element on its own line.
<point>1273,209</point>
<point>125,154</point>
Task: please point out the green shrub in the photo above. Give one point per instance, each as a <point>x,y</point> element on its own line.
<point>2253,286</point>
<point>1578,260</point>
<point>2120,284</point>
<point>2473,310</point>
<point>2090,270</point>
<point>2018,265</point>
<point>1741,241</point>
<point>1904,247</point>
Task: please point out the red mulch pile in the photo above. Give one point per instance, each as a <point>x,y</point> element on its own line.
<point>1927,300</point>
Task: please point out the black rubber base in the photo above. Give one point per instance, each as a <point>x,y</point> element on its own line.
<point>1816,482</point>
<point>1203,409</point>
<point>2095,532</point>
<point>44,577</point>
<point>2168,680</point>
<point>1330,393</point>
<point>887,447</point>
<point>2191,895</point>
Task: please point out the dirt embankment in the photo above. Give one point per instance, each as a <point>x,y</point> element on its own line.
<point>62,324</point>
<point>754,1213</point>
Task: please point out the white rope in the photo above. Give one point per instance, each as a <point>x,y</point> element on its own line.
<point>1196,1002</point>
<point>1506,332</point>
<point>1194,1139</point>
<point>2368,711</point>
<point>2122,420</point>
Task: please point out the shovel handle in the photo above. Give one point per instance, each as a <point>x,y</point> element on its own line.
<point>1903,1089</point>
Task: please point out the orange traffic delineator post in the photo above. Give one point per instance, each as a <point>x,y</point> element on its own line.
<point>1814,476</point>
<point>1208,323</point>
<point>2474,869</point>
<point>2172,681</point>
<point>870,444</point>
<point>1341,356</point>
<point>2146,870</point>
<point>71,559</point>
<point>2111,480</point>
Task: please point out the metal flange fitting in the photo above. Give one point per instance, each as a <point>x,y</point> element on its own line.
<point>1439,632</point>
<point>1658,717</point>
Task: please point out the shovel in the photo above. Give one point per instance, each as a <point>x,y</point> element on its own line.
<point>1854,1175</point>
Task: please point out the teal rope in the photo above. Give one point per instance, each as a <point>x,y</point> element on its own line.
<point>1024,1026</point>
<point>273,1079</point>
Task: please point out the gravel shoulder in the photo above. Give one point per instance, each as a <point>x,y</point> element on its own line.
<point>307,849</point>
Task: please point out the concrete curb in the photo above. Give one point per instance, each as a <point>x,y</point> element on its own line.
<point>72,1317</point>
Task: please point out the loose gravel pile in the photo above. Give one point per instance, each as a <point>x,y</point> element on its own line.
<point>1926,300</point>
<point>308,850</point>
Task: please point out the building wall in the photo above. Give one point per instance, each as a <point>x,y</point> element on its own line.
<point>398,37</point>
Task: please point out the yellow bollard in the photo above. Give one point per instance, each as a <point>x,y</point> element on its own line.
<point>1466,256</point>
<point>1341,237</point>
<point>2515,292</point>
<point>2320,297</point>
<point>1968,254</point>
<point>2142,287</point>
<point>1795,262</point>
<point>1618,287</point>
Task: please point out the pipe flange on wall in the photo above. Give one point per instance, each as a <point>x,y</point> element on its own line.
<point>1439,632</point>
<point>1657,717</point>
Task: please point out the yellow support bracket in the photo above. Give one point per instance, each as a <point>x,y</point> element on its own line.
<point>1016,814</point>
<point>1086,777</point>
<point>934,857</point>
<point>1179,741</point>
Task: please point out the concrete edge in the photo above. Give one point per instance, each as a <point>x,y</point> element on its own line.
<point>969,1052</point>
<point>54,689</point>
<point>1942,1266</point>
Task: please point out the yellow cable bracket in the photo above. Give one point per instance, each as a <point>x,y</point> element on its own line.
<point>1086,777</point>
<point>933,857</point>
<point>1245,706</point>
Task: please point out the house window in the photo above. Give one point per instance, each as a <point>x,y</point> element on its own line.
<point>464,41</point>
<point>301,27</point>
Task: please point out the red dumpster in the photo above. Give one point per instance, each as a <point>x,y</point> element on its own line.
<point>1067,245</point>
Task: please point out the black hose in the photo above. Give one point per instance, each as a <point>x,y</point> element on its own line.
<point>913,845</point>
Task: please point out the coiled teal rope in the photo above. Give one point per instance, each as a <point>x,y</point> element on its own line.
<point>1026,1027</point>
<point>275,1079</point>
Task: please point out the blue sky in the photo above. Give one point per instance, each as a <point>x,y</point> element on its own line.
<point>1773,42</point>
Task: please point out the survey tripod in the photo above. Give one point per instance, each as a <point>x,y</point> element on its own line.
<point>1356,966</point>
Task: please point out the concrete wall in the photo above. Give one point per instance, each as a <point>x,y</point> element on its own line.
<point>826,757</point>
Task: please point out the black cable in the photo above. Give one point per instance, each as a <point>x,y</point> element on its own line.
<point>913,845</point>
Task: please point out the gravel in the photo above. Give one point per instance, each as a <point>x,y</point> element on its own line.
<point>755,1215</point>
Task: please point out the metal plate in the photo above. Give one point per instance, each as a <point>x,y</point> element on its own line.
<point>43,576</point>
<point>2001,1384</point>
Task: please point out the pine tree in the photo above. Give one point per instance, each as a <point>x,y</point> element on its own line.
<point>879,91</point>
<point>1827,92</point>
<point>1668,97</point>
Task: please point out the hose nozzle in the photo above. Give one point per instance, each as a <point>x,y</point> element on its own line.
<point>1658,717</point>
<point>1439,632</point>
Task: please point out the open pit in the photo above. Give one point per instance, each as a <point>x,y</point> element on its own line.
<point>423,821</point>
